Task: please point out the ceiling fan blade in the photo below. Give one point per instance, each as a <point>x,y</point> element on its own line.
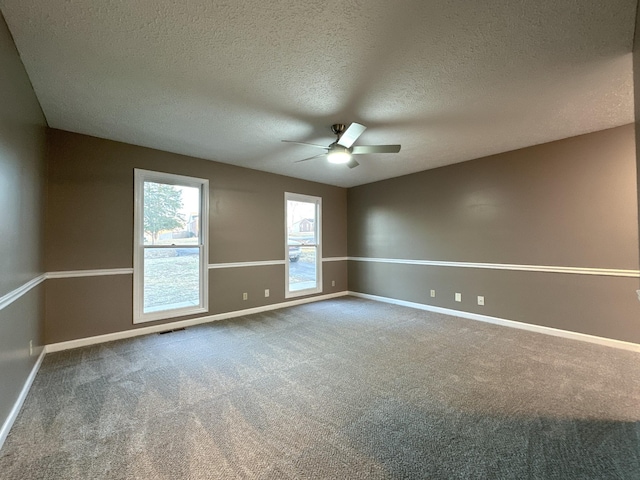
<point>352,163</point>
<point>351,134</point>
<point>307,144</point>
<point>310,158</point>
<point>359,150</point>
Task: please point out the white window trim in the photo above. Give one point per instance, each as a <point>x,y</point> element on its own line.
<point>141,176</point>
<point>298,197</point>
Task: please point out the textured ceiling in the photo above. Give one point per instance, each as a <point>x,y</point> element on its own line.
<point>450,80</point>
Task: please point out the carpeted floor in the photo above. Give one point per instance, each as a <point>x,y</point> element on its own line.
<point>347,388</point>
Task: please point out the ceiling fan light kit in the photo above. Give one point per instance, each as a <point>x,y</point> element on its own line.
<point>341,151</point>
<point>338,154</point>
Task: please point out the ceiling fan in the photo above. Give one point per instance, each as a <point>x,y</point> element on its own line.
<point>342,150</point>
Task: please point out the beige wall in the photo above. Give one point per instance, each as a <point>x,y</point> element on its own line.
<point>90,226</point>
<point>636,96</point>
<point>567,203</point>
<point>22,152</point>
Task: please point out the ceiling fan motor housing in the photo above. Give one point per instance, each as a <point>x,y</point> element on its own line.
<point>335,147</point>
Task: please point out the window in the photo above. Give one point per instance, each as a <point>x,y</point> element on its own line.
<point>170,256</point>
<point>303,246</point>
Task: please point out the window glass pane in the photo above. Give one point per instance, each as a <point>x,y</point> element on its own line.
<point>171,214</point>
<point>171,278</point>
<point>302,268</point>
<point>301,222</point>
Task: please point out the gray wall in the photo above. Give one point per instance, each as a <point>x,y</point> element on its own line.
<point>636,97</point>
<point>90,226</point>
<point>567,203</point>
<point>22,152</point>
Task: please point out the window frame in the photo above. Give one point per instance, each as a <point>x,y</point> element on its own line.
<point>140,177</point>
<point>299,197</point>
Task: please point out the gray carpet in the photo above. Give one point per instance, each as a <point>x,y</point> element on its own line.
<point>346,388</point>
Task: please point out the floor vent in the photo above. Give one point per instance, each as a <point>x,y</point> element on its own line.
<point>171,331</point>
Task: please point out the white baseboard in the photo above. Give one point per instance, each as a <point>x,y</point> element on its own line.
<point>8,423</point>
<point>109,337</point>
<point>556,332</point>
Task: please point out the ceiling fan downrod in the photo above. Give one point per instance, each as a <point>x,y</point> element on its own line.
<point>338,129</point>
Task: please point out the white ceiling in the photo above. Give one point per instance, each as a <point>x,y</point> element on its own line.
<point>450,80</point>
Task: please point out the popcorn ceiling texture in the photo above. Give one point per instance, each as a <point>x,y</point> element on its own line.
<point>450,80</point>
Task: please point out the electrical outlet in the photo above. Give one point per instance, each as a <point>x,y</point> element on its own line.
<point>30,348</point>
<point>266,292</point>
<point>333,283</point>
<point>433,294</point>
<point>480,300</point>
<point>638,292</point>
<point>458,297</point>
<point>245,296</point>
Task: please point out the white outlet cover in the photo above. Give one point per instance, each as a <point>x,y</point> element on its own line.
<point>266,292</point>
<point>480,300</point>
<point>433,293</point>
<point>458,297</point>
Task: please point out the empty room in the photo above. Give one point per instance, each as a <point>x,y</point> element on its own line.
<point>331,240</point>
